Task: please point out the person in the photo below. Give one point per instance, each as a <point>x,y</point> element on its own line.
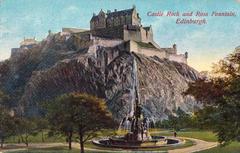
<point>175,134</point>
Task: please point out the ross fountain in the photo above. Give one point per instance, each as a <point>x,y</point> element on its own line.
<point>137,127</point>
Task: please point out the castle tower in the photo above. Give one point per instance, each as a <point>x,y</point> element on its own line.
<point>136,20</point>
<point>98,21</point>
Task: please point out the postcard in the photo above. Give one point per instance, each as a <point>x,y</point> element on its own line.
<point>119,76</point>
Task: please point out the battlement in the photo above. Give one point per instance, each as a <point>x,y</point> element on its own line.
<point>28,42</point>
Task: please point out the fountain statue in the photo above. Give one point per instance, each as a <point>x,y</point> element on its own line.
<point>137,127</point>
<point>138,124</point>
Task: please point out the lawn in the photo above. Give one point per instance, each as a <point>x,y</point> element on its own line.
<point>198,134</point>
<point>204,135</point>
<point>56,138</point>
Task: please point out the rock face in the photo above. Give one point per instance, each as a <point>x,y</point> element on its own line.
<point>55,66</point>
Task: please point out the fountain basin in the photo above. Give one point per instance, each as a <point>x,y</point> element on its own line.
<point>155,142</point>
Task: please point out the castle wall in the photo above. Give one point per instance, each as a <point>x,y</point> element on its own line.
<point>113,32</point>
<point>146,36</point>
<point>132,46</point>
<point>135,18</point>
<point>15,52</point>
<point>82,40</point>
<point>132,35</point>
<point>125,32</point>
<point>103,43</point>
<point>152,52</point>
<point>72,30</point>
<point>181,58</point>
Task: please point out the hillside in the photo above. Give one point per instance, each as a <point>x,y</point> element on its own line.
<point>56,66</point>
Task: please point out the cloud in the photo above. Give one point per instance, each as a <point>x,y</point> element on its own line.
<point>238,1</point>
<point>72,8</point>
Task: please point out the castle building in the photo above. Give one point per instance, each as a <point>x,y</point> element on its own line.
<point>28,42</point>
<point>111,33</point>
<point>116,18</point>
<point>124,24</point>
<point>120,29</point>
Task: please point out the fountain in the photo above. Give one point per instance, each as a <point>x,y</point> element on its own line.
<point>137,127</point>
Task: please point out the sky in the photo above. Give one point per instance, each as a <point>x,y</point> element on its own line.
<point>206,44</point>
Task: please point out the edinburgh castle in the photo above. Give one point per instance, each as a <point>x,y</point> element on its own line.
<point>111,33</point>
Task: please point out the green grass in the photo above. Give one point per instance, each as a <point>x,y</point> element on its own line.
<point>59,150</point>
<point>198,134</point>
<point>38,138</point>
<point>231,148</point>
<point>56,138</point>
<point>51,150</point>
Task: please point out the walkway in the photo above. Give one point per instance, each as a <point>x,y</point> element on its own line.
<point>199,146</point>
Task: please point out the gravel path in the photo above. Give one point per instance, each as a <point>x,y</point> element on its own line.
<point>199,146</point>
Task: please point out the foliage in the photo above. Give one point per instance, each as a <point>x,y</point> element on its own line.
<point>6,124</point>
<point>4,99</point>
<point>179,121</point>
<point>24,128</point>
<point>220,95</point>
<point>82,114</point>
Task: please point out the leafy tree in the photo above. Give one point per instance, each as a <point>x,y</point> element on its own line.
<point>81,114</point>
<point>179,121</point>
<point>25,127</point>
<point>42,125</point>
<point>6,124</point>
<point>221,96</point>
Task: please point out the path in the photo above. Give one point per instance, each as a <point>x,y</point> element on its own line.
<point>199,145</point>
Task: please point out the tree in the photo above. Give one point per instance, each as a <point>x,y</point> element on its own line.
<point>220,95</point>
<point>25,127</point>
<point>82,114</point>
<point>6,124</point>
<point>42,124</point>
<point>179,121</point>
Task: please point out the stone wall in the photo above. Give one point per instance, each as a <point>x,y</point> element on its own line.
<point>181,58</point>
<point>132,34</point>
<point>97,42</point>
<point>15,52</point>
<point>146,36</point>
<point>111,32</point>
<point>81,41</point>
<point>125,32</point>
<point>133,46</point>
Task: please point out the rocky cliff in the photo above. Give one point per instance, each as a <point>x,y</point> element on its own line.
<point>56,66</point>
